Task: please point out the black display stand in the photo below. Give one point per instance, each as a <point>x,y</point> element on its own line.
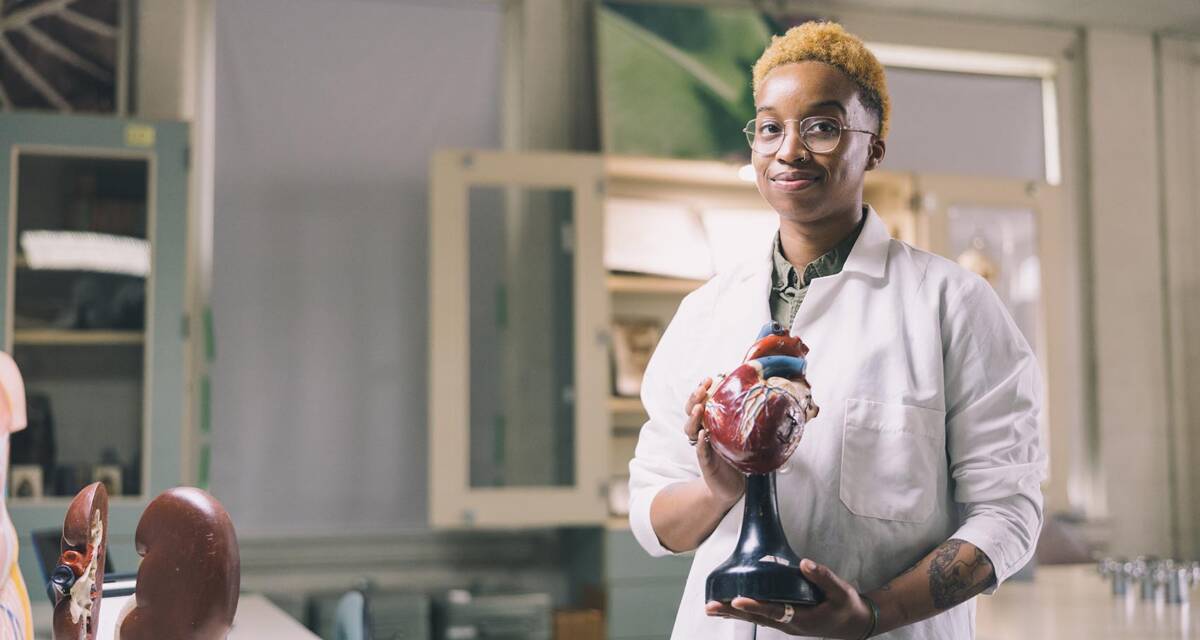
<point>763,566</point>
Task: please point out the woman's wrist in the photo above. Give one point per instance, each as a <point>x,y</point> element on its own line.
<point>872,625</point>
<point>721,502</point>
<point>889,615</point>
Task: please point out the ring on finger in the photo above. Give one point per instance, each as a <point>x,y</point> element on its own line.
<point>788,612</point>
<point>692,442</point>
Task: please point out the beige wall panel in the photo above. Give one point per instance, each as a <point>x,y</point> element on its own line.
<point>1132,402</point>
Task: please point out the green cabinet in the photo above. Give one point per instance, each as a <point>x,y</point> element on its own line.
<point>93,212</point>
<point>643,592</point>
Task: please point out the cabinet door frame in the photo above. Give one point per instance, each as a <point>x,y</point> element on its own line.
<point>453,502</point>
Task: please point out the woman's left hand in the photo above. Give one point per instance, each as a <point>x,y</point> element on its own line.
<point>843,614</point>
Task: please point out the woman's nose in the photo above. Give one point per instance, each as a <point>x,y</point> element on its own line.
<point>791,149</point>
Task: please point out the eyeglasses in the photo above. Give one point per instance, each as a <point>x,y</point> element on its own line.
<point>819,134</point>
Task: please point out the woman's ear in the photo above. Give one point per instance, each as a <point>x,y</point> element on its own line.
<point>878,149</point>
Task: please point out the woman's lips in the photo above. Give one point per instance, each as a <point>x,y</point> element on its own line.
<point>789,183</point>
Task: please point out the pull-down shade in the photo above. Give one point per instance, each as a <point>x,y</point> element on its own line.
<point>327,113</point>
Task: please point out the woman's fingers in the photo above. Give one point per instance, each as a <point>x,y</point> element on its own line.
<point>836,589</point>
<point>694,424</point>
<point>699,395</point>
<point>694,409</point>
<point>725,482</point>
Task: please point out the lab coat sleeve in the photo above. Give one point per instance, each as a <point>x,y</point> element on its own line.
<point>663,455</point>
<point>993,400</point>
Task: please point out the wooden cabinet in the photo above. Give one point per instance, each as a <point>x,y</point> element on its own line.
<point>94,216</point>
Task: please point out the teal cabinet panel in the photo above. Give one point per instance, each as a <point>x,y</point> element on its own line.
<point>624,558</point>
<point>83,152</point>
<point>645,607</point>
<point>643,591</point>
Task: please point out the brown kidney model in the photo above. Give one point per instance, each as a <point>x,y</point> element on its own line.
<point>188,582</point>
<point>79,576</point>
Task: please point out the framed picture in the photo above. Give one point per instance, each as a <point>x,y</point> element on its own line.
<point>634,340</point>
<point>25,481</point>
<point>110,476</point>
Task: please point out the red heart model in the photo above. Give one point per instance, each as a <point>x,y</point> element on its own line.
<point>756,414</point>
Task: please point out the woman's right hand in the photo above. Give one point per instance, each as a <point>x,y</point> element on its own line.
<point>725,483</point>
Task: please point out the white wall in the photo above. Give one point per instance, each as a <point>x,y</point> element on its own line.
<point>326,115</point>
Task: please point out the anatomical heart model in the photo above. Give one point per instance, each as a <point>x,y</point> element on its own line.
<point>16,620</point>
<point>756,414</point>
<point>190,575</point>
<point>79,577</point>
<point>755,417</point>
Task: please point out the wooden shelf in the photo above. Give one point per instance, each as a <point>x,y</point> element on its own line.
<point>77,337</point>
<point>651,284</point>
<point>676,171</point>
<point>617,523</point>
<point>621,404</point>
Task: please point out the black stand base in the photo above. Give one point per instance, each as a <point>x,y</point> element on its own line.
<point>763,566</point>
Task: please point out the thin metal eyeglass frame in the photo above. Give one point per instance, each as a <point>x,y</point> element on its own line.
<point>750,132</point>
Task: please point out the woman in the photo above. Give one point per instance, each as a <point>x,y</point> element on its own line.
<point>918,485</point>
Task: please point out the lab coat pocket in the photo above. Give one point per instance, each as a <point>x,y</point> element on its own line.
<point>891,454</point>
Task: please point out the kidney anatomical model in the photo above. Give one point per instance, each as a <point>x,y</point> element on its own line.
<point>188,582</point>
<point>79,576</point>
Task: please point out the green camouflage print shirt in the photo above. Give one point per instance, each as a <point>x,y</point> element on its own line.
<point>788,289</point>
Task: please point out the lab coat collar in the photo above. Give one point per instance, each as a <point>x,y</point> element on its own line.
<point>868,257</point>
<point>870,252</point>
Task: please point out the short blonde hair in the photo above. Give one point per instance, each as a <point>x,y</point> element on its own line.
<point>830,43</point>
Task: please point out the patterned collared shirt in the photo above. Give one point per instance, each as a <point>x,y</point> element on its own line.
<point>788,288</point>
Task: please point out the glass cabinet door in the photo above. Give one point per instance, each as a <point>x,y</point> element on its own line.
<point>518,361</point>
<point>94,216</point>
<point>77,327</point>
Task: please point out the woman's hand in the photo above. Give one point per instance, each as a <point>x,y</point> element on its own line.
<point>843,614</point>
<point>725,484</point>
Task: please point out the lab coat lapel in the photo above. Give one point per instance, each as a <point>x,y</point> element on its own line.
<point>746,308</point>
<point>868,257</point>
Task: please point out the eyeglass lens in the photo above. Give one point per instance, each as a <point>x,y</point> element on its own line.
<point>819,135</point>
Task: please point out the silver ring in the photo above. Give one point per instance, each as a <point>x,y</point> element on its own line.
<point>788,612</point>
<point>693,442</point>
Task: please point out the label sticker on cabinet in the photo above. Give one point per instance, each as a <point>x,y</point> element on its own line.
<point>139,135</point>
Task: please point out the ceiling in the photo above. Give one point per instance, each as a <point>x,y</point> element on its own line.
<point>1167,16</point>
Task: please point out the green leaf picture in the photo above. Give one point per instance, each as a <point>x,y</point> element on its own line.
<point>675,80</point>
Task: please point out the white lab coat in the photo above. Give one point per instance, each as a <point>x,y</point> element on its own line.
<point>928,427</point>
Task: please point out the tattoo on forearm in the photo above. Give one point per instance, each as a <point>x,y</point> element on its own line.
<point>953,579</point>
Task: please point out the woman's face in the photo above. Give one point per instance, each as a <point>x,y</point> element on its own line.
<point>810,187</point>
